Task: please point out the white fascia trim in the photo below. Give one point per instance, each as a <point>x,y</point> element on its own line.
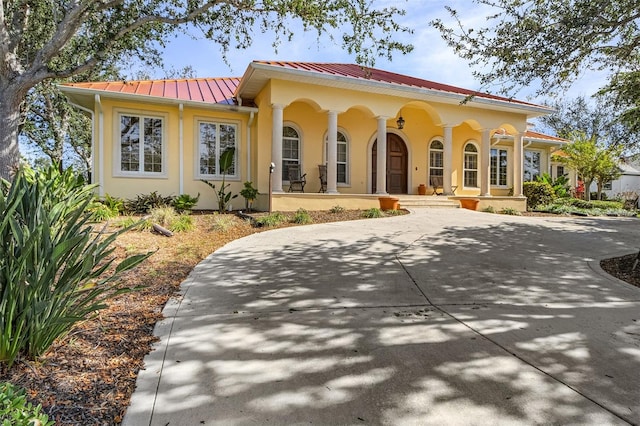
<point>156,99</point>
<point>401,90</point>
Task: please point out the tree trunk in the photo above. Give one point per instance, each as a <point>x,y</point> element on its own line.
<point>9,124</point>
<point>587,190</point>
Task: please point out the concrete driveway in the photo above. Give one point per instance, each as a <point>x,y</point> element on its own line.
<point>438,317</point>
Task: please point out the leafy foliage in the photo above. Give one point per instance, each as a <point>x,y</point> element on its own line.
<point>549,44</point>
<point>182,223</point>
<point>599,120</point>
<point>567,206</point>
<point>55,270</point>
<point>249,193</point>
<point>590,159</point>
<point>273,219</point>
<point>537,193</point>
<point>169,218</point>
<point>301,217</point>
<point>16,411</point>
<point>336,209</point>
<point>223,196</point>
<point>560,185</point>
<point>489,209</point>
<point>373,212</point>
<point>510,211</point>
<point>144,203</point>
<point>185,202</point>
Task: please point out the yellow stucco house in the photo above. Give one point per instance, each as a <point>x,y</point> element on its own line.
<point>166,135</point>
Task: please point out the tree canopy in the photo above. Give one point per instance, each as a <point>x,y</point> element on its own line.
<point>59,39</point>
<point>591,160</point>
<point>597,120</point>
<point>552,43</point>
<point>549,42</point>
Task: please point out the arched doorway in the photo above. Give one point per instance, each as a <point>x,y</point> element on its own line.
<point>397,161</point>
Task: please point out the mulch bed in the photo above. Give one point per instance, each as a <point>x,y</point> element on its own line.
<point>621,268</point>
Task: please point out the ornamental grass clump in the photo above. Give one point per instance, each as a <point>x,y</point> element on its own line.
<point>55,269</point>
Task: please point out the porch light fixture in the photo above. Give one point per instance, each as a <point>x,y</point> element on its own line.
<point>400,122</point>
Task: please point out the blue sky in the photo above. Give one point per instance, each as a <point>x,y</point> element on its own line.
<point>431,59</point>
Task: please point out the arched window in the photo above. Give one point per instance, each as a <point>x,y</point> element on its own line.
<point>436,163</point>
<point>290,150</point>
<point>470,163</point>
<point>342,163</point>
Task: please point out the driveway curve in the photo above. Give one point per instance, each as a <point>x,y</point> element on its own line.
<point>437,317</point>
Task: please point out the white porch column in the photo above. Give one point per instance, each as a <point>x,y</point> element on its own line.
<point>447,154</point>
<point>518,164</point>
<point>381,165</point>
<point>276,146</point>
<point>332,153</point>
<point>485,163</point>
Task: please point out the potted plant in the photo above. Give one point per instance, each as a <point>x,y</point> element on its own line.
<point>249,193</point>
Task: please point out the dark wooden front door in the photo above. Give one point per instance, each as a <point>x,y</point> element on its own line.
<point>397,160</point>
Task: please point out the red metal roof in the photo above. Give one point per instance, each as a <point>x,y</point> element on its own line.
<point>373,74</point>
<point>209,90</point>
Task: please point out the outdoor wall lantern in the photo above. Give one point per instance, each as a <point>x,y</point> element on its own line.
<point>400,121</point>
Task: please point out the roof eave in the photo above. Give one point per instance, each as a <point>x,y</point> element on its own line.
<point>155,99</point>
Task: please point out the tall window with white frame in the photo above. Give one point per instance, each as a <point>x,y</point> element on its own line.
<point>436,160</point>
<point>499,165</point>
<point>290,150</point>
<point>215,139</point>
<point>470,164</point>
<point>342,165</point>
<point>141,148</point>
<point>532,165</point>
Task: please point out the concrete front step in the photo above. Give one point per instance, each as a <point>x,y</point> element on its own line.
<point>426,201</point>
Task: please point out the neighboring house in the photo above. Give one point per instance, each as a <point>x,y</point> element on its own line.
<point>166,135</point>
<point>627,183</point>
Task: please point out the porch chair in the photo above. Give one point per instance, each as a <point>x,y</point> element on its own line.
<point>296,182</point>
<point>437,184</point>
<point>322,169</point>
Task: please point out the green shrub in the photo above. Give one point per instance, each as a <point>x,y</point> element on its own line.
<point>100,212</point>
<point>337,209</point>
<point>115,204</point>
<point>489,209</point>
<point>185,202</point>
<point>249,193</point>
<point>170,219</point>
<point>373,212</point>
<point>163,216</point>
<point>16,411</point>
<point>301,217</point>
<point>273,219</point>
<point>53,265</point>
<point>560,185</point>
<point>510,211</point>
<point>595,204</point>
<point>393,212</point>
<point>222,222</point>
<point>538,193</point>
<point>182,223</point>
<point>143,204</point>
